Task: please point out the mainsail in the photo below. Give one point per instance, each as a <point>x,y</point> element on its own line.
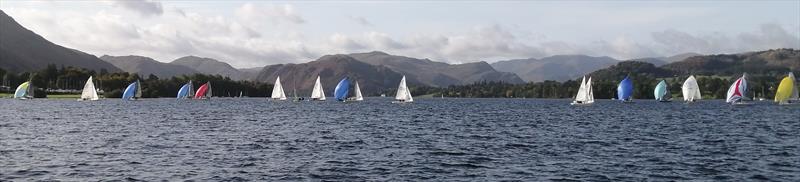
<point>204,92</point>
<point>786,90</point>
<point>738,90</point>
<point>89,92</point>
<point>186,91</point>
<point>661,92</point>
<point>318,93</point>
<point>690,89</point>
<point>358,93</point>
<point>277,90</point>
<point>625,89</point>
<point>340,93</point>
<point>584,95</point>
<point>24,91</point>
<point>403,94</point>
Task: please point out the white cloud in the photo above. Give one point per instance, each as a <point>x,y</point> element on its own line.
<point>253,13</point>
<point>143,7</point>
<point>360,20</point>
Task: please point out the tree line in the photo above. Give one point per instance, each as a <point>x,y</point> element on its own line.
<point>54,80</point>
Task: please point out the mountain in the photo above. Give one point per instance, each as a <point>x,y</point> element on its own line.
<point>769,61</point>
<point>633,68</point>
<point>23,50</point>
<point>559,67</point>
<point>436,74</point>
<point>332,68</point>
<point>212,67</point>
<point>145,66</point>
<point>679,57</point>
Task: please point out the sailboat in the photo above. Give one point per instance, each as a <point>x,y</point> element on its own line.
<point>625,90</point>
<point>690,89</point>
<point>318,93</point>
<point>89,92</point>
<point>186,91</point>
<point>358,96</point>
<point>403,94</point>
<point>787,90</point>
<point>585,95</point>
<point>204,92</point>
<point>340,93</point>
<point>24,91</point>
<point>662,92</point>
<point>277,90</point>
<point>133,92</point>
<point>737,91</point>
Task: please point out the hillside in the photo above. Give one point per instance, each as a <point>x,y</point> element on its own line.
<point>332,68</point>
<point>212,67</point>
<point>760,62</point>
<point>145,66</point>
<point>437,74</point>
<point>23,50</point>
<point>558,68</point>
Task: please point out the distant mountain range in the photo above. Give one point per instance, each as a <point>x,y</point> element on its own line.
<point>568,67</point>
<point>22,50</point>
<point>772,62</point>
<point>213,67</point>
<point>145,66</point>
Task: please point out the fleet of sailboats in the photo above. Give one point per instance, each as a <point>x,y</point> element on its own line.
<point>787,90</point>
<point>625,90</point>
<point>277,90</point>
<point>737,91</point>
<point>318,93</point>
<point>585,95</point>
<point>89,91</point>
<point>661,92</point>
<point>403,94</point>
<point>133,91</point>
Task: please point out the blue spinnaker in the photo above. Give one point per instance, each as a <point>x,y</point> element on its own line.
<point>625,89</point>
<point>130,91</point>
<point>184,91</point>
<point>342,89</point>
<point>661,91</point>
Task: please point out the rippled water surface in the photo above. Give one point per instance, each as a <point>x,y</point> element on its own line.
<point>431,139</point>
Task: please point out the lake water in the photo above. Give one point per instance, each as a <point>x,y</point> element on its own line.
<point>430,139</point>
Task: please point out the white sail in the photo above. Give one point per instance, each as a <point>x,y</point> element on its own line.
<point>138,90</point>
<point>403,94</point>
<point>690,90</point>
<point>590,93</point>
<point>277,90</point>
<point>358,93</point>
<point>89,92</point>
<point>794,95</point>
<point>582,95</point>
<point>317,93</point>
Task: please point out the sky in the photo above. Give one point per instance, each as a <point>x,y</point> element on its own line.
<point>257,33</point>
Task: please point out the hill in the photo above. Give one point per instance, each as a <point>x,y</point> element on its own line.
<point>145,66</point>
<point>212,67</point>
<point>761,62</point>
<point>22,50</point>
<point>436,74</point>
<point>558,68</point>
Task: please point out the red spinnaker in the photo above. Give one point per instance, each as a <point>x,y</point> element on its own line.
<point>201,92</point>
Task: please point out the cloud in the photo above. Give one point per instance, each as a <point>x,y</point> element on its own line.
<point>254,13</point>
<point>361,21</point>
<point>143,7</point>
<point>768,36</point>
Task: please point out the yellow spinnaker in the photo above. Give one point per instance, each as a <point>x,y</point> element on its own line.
<point>785,89</point>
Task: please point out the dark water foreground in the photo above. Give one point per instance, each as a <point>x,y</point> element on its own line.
<point>433,139</point>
